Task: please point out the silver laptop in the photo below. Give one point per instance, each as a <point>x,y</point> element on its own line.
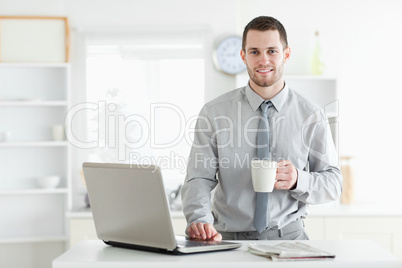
<point>130,209</point>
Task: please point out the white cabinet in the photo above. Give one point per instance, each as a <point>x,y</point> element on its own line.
<point>179,225</point>
<point>33,98</point>
<point>81,229</point>
<point>315,227</point>
<point>385,230</point>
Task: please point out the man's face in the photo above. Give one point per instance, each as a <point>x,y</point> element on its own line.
<point>265,58</point>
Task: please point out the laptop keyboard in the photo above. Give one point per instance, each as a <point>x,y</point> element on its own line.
<point>195,243</point>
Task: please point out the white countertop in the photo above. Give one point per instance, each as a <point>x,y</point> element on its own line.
<point>332,210</point>
<point>353,253</point>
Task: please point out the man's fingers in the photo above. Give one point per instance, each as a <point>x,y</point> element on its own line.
<point>216,237</point>
<point>284,163</point>
<point>212,234</point>
<point>210,230</point>
<point>285,168</point>
<point>282,184</point>
<point>193,231</point>
<point>203,231</point>
<point>286,175</point>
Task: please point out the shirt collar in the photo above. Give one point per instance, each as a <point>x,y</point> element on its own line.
<point>255,100</point>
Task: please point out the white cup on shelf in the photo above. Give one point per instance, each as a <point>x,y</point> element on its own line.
<point>5,136</point>
<point>49,182</point>
<point>58,133</point>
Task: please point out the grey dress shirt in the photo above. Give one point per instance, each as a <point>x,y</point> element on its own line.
<point>225,142</point>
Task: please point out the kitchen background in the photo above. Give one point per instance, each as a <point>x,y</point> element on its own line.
<point>360,47</point>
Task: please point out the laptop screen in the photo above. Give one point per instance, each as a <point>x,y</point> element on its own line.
<point>129,204</point>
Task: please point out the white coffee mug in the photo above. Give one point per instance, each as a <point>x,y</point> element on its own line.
<point>263,175</point>
<point>58,133</point>
<point>5,136</point>
<point>49,182</point>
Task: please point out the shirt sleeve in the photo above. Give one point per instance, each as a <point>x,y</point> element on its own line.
<point>201,173</point>
<point>322,183</point>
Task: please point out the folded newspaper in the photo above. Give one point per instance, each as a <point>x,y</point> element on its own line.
<point>289,251</point>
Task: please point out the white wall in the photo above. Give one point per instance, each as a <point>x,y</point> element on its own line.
<point>361,46</point>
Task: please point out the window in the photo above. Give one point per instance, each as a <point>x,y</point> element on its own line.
<point>146,92</point>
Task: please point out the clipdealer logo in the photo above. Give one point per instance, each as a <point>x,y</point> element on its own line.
<point>145,131</point>
<point>237,133</point>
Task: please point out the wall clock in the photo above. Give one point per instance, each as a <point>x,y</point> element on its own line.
<point>227,55</point>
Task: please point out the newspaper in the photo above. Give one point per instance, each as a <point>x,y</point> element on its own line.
<point>289,251</point>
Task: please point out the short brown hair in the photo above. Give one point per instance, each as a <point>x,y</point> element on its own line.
<point>265,23</point>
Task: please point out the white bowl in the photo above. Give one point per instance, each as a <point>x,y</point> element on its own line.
<point>48,182</point>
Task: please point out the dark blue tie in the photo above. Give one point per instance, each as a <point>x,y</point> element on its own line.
<point>260,215</point>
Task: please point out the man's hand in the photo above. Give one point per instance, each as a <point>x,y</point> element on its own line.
<point>203,231</point>
<point>286,175</point>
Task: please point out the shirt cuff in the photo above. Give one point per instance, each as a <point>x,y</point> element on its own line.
<point>303,178</point>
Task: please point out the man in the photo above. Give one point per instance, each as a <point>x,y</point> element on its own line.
<point>225,142</point>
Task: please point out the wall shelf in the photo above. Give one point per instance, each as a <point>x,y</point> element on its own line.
<point>34,144</point>
<point>309,77</point>
<point>37,239</point>
<point>28,103</point>
<point>34,65</point>
<point>34,97</point>
<point>34,191</point>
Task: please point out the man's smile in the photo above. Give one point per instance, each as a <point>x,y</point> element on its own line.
<point>265,70</point>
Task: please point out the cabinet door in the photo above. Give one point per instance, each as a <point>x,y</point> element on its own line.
<point>314,227</point>
<point>81,229</point>
<point>179,225</point>
<point>386,231</point>
<point>30,255</point>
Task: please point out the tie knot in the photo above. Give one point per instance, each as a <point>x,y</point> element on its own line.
<point>265,105</point>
